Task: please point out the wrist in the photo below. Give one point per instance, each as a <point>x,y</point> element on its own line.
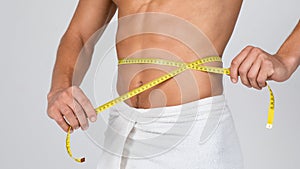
<point>57,88</point>
<point>52,92</point>
<point>289,62</point>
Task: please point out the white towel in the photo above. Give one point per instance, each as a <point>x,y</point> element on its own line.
<point>195,135</point>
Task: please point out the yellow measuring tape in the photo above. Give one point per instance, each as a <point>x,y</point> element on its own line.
<point>195,65</point>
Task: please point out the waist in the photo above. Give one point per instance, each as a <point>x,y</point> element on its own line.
<point>198,109</point>
<point>187,86</point>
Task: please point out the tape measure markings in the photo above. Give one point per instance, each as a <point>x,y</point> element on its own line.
<point>195,65</point>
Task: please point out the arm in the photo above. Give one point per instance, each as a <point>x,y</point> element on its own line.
<point>255,66</point>
<point>67,104</point>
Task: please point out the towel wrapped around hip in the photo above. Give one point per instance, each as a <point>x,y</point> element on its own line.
<point>195,135</point>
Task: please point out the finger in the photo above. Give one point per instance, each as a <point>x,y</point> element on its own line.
<point>81,115</point>
<point>253,74</point>
<point>59,119</point>
<point>262,78</point>
<point>265,72</point>
<point>246,65</point>
<point>77,112</point>
<point>86,105</point>
<point>235,64</point>
<point>68,113</point>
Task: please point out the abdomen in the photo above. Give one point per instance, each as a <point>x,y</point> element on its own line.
<point>175,31</point>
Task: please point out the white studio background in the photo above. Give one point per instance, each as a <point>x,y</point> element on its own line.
<point>30,33</point>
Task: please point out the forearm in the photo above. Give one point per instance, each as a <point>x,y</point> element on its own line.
<point>66,60</point>
<point>76,46</point>
<point>289,52</point>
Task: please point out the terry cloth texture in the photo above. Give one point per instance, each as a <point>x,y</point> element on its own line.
<point>194,135</point>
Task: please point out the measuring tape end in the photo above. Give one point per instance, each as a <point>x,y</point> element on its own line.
<point>82,160</point>
<point>269,126</point>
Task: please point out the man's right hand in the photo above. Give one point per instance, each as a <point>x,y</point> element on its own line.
<point>70,107</point>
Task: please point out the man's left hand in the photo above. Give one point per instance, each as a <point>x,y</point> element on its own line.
<point>255,67</point>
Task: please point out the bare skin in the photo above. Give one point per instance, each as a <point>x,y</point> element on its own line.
<point>69,106</point>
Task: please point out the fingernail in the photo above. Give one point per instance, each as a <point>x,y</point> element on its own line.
<point>233,80</point>
<point>93,119</point>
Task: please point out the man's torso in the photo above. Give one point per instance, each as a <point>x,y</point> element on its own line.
<point>174,30</point>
